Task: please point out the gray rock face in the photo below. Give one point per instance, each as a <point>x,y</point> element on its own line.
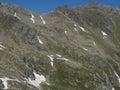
<point>67,49</point>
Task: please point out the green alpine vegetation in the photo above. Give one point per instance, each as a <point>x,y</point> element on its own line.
<point>66,49</point>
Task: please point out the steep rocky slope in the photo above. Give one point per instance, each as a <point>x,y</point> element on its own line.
<point>67,49</point>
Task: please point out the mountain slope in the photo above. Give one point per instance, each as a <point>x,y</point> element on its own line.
<point>67,49</point>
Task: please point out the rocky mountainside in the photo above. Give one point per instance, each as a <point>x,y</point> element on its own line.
<point>67,49</point>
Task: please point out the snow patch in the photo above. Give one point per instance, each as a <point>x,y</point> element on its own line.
<point>51,59</point>
<point>65,32</point>
<point>83,29</point>
<point>104,34</point>
<point>5,81</point>
<point>44,22</point>
<point>75,25</point>
<point>1,46</point>
<point>61,58</point>
<point>58,55</point>
<point>85,49</point>
<point>117,76</point>
<point>38,80</point>
<point>32,18</point>
<point>52,64</point>
<point>113,88</point>
<point>40,41</point>
<point>75,29</point>
<point>94,43</point>
<point>15,15</point>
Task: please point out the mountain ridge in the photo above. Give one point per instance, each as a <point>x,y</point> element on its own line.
<point>67,49</point>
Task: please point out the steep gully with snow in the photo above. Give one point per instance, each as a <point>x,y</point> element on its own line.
<point>67,49</point>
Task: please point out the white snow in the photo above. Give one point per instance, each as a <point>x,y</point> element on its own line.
<point>117,76</point>
<point>1,46</point>
<point>58,55</point>
<point>40,41</point>
<point>5,81</point>
<point>75,25</point>
<point>94,43</point>
<point>52,59</point>
<point>85,49</point>
<point>15,15</point>
<point>75,29</point>
<point>104,34</point>
<point>32,18</point>
<point>44,22</point>
<point>83,29</point>
<point>65,32</point>
<point>52,64</point>
<point>113,88</point>
<point>38,80</point>
<point>60,58</point>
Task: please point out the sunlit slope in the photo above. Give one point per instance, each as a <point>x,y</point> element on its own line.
<point>67,49</point>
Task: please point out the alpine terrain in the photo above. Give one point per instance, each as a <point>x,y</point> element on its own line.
<point>66,49</point>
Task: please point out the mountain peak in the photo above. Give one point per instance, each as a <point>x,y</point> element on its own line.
<point>67,49</point>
